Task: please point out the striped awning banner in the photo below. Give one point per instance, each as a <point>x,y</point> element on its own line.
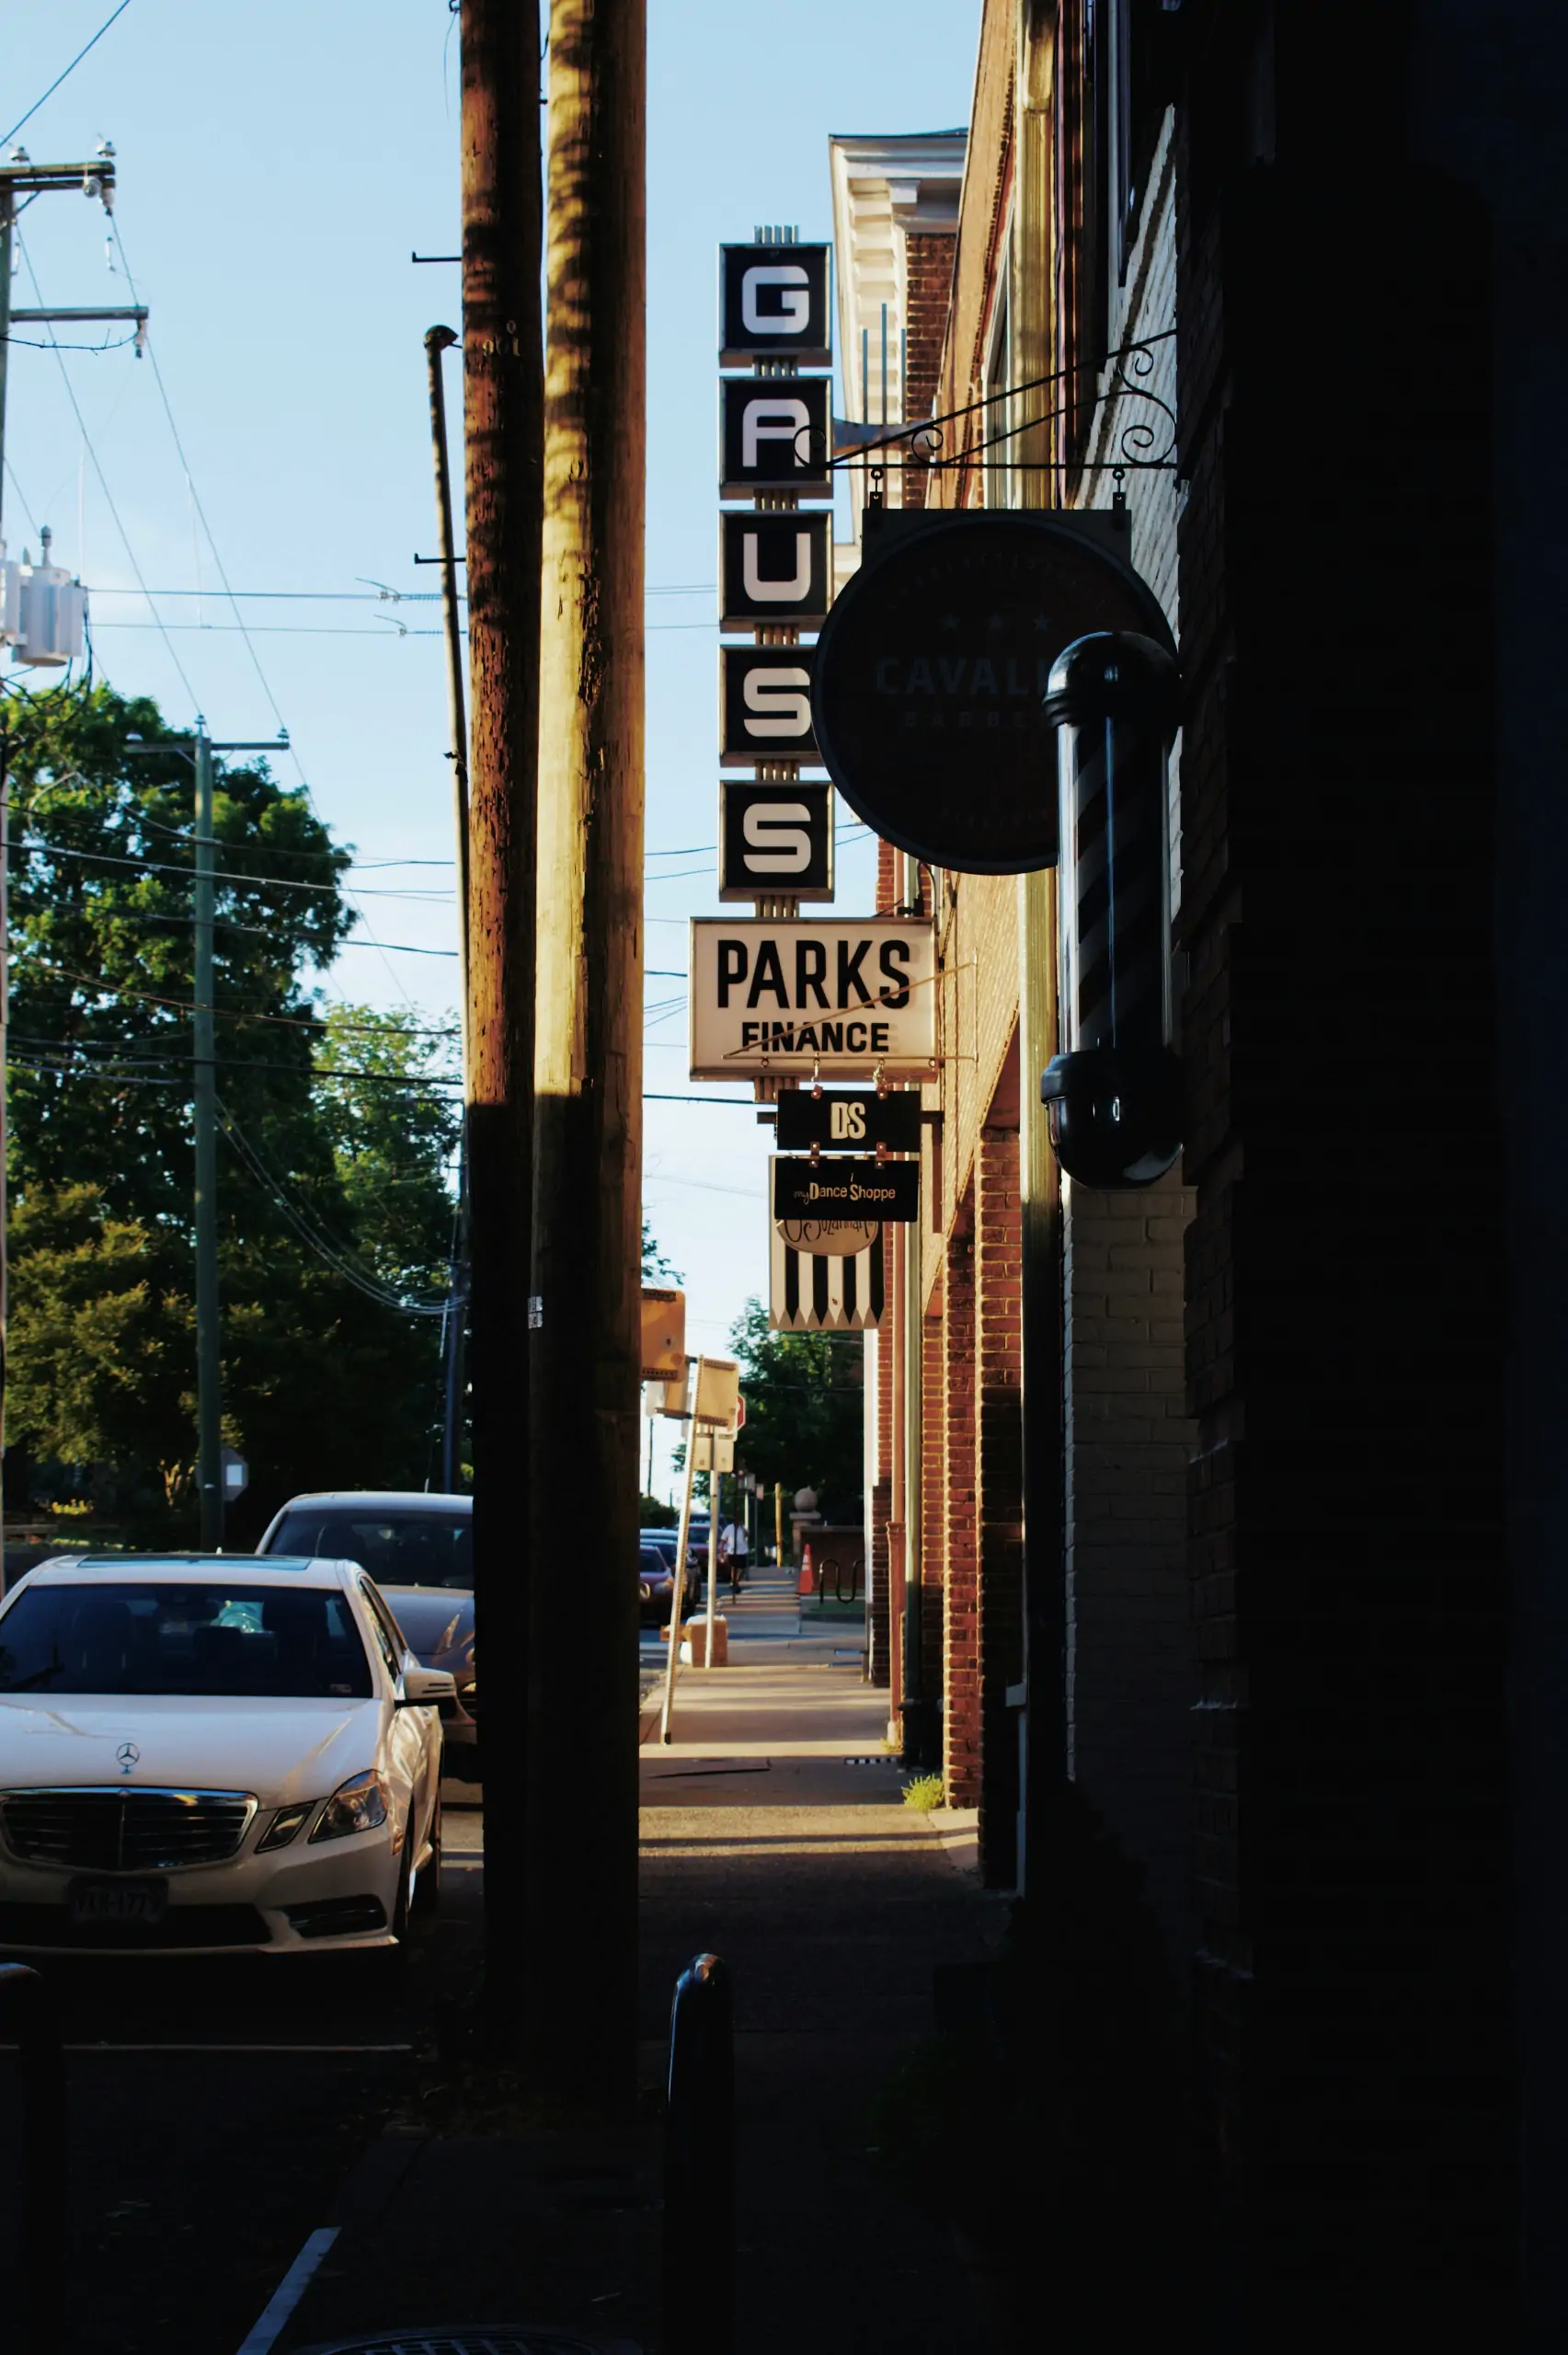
<point>812,1292</point>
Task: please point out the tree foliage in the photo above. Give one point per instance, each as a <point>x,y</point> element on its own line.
<point>336,1136</point>
<point>805,1403</point>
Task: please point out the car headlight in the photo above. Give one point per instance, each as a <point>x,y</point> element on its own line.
<point>358,1804</point>
<point>284,1825</point>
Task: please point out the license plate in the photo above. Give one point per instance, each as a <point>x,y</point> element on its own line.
<point>124,1904</point>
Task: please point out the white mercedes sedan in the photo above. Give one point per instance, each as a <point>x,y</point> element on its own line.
<point>211,1754</point>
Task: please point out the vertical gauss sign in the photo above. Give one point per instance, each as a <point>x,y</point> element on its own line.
<point>765,705</point>
<point>774,838</point>
<point>772,305</point>
<point>774,570</point>
<point>774,434</point>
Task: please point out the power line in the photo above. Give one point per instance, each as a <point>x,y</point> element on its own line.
<point>69,70</point>
<point>330,1254</point>
<point>103,480</point>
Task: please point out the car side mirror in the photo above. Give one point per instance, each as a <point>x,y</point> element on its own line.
<point>425,1688</point>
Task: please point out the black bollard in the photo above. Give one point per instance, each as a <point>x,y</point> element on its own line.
<point>699,2165</point>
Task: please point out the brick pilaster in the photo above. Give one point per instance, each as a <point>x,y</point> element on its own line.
<point>998,1247</point>
<point>961,1730</point>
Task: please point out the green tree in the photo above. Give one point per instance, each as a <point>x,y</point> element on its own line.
<point>333,1194</point>
<point>804,1404</point>
<point>656,1268</point>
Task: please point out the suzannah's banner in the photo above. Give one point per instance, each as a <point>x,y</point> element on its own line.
<point>812,1292</point>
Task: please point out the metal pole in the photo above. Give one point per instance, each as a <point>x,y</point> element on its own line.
<point>676,1600</point>
<point>437,341</point>
<point>208,1365</point>
<point>716,1490</point>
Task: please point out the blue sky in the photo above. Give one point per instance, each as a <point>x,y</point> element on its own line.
<point>277,165</point>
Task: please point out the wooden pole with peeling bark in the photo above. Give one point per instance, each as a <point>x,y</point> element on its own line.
<point>585,1345</point>
<point>503,397</point>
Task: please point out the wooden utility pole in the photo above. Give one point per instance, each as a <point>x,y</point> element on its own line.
<point>503,393</point>
<point>585,1346</point>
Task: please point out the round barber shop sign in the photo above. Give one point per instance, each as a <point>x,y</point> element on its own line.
<point>931,671</point>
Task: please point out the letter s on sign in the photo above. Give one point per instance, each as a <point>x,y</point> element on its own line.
<point>778,703</point>
<point>777,837</point>
<point>794,302</point>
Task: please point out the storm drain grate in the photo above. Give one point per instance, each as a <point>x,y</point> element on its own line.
<point>871,1761</point>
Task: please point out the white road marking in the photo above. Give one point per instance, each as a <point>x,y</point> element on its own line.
<point>269,2328</point>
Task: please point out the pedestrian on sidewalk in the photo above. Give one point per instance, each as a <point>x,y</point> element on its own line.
<point>734,1546</point>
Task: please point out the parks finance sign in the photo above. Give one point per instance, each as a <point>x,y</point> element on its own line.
<point>842,998</point>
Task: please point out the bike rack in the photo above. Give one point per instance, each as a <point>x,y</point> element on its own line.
<point>699,2164</point>
<point>27,2008</point>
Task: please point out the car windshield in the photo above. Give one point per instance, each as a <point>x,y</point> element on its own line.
<point>397,1548</point>
<point>433,1621</point>
<point>257,1642</point>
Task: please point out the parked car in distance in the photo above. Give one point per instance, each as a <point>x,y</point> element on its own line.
<point>209,1753</point>
<point>666,1539</point>
<point>420,1550</point>
<point>655,1583</point>
<point>404,1537</point>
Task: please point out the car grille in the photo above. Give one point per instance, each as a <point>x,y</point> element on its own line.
<point>118,1831</point>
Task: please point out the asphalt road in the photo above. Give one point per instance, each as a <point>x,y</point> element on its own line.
<point>215,2107</point>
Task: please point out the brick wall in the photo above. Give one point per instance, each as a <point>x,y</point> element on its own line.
<point>928,281</point>
<point>998,1260</point>
<point>960,1601</point>
<point>1130,1683</point>
<point>1345,1262</point>
<point>933,1496</point>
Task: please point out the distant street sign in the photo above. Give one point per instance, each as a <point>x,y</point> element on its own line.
<point>715,1451</point>
<point>774,837</point>
<point>930,679</point>
<point>774,569</point>
<point>740,1411</point>
<point>774,434</point>
<point>860,1190</point>
<point>236,1474</point>
<point>718,1389</point>
<point>849,1120</point>
<point>664,1334</point>
<point>764,704</point>
<point>835,995</point>
<point>772,305</point>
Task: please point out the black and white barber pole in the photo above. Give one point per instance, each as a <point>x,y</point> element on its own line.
<point>1114,1094</point>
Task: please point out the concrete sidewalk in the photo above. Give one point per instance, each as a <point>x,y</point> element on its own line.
<point>773,1834</point>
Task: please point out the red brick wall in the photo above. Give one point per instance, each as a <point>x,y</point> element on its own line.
<point>928,277</point>
<point>961,1737</point>
<point>933,1496</point>
<point>998,1340</point>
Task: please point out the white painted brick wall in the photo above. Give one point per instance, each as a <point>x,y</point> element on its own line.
<point>1129,1642</point>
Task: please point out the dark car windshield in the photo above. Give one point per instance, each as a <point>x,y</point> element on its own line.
<point>286,1643</point>
<point>655,1559</point>
<point>397,1548</point>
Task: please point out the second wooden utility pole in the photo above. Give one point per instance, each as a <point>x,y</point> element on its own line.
<point>585,1346</point>
<point>503,392</point>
